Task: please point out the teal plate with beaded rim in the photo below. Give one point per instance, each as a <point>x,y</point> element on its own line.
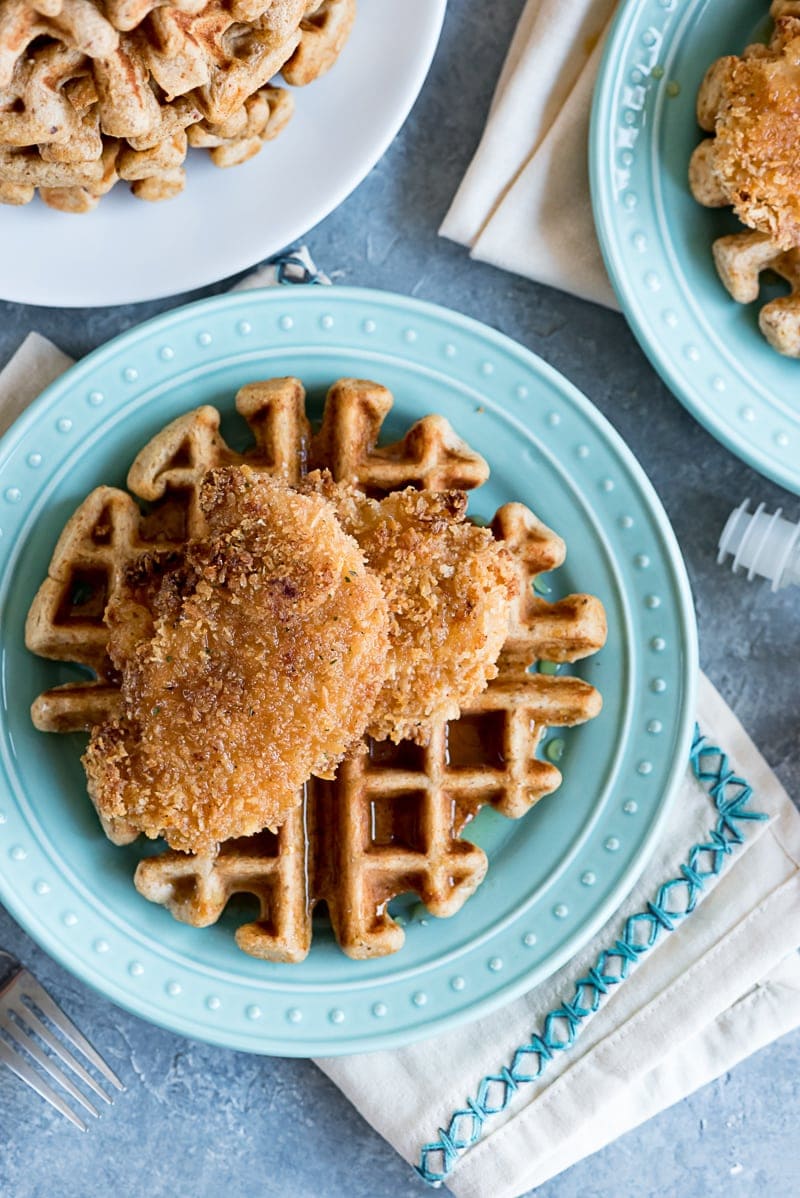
<point>656,239</point>
<point>554,876</point>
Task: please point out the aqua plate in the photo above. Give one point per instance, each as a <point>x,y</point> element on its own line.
<point>554,875</point>
<point>656,238</point>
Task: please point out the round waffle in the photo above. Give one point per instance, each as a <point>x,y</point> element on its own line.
<point>391,820</point>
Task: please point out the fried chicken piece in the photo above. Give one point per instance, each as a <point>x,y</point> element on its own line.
<point>752,105</point>
<point>449,587</point>
<point>254,662</point>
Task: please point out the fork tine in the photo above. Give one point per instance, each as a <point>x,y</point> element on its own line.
<point>26,1041</point>
<point>32,990</point>
<point>29,1016</point>
<point>18,1065</point>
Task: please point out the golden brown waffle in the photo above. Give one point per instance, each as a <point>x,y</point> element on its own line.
<point>77,74</point>
<point>154,174</point>
<point>126,15</point>
<point>223,58</point>
<point>219,59</point>
<point>106,534</point>
<point>75,24</point>
<point>38,105</point>
<point>71,177</point>
<point>391,820</point>
<point>323,34</point>
<point>741,259</point>
<point>55,89</point>
<point>260,119</point>
<point>72,186</point>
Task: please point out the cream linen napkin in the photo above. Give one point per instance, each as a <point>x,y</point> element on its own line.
<point>524,203</point>
<point>725,982</point>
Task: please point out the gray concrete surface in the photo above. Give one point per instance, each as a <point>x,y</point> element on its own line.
<point>198,1120</point>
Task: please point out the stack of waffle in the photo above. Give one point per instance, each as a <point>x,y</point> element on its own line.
<point>97,91</point>
<point>748,104</point>
<point>391,821</point>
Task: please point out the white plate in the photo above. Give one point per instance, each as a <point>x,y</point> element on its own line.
<point>128,250</point>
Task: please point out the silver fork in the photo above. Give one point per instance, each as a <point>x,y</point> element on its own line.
<point>22,1003</point>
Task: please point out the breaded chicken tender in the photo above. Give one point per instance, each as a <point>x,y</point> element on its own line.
<point>449,587</point>
<point>248,665</point>
<point>752,105</point>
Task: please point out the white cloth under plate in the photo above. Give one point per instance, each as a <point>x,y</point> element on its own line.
<point>722,985</point>
<point>295,266</point>
<point>524,203</point>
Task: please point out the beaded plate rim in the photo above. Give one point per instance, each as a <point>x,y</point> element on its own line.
<point>711,380</point>
<point>484,359</point>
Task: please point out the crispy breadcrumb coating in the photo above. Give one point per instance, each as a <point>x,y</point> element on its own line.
<point>754,104</point>
<point>449,587</point>
<point>248,666</point>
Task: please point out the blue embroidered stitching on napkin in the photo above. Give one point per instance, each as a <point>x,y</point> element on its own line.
<point>642,931</point>
<point>292,269</point>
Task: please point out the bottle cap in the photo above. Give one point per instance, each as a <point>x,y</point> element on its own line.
<point>763,544</point>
